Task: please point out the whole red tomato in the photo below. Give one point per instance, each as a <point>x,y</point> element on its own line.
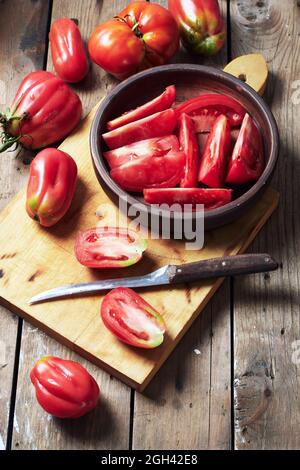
<point>44,111</point>
<point>142,35</point>
<point>51,186</point>
<point>67,50</point>
<point>63,388</point>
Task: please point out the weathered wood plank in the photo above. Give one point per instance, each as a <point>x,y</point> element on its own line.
<point>188,404</point>
<point>22,39</point>
<point>108,426</point>
<point>266,309</point>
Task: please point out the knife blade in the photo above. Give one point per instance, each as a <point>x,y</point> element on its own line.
<point>169,274</point>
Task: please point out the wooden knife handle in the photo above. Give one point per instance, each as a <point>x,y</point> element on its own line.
<point>224,266</point>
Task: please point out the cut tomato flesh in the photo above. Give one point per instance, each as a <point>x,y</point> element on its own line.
<point>210,198</point>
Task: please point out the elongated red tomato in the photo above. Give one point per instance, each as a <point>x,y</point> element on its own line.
<point>150,172</point>
<point>68,51</point>
<point>131,319</point>
<point>160,103</point>
<point>189,145</point>
<point>156,125</point>
<point>109,247</point>
<point>51,186</point>
<point>149,147</point>
<point>216,153</point>
<point>64,388</point>
<point>211,198</point>
<point>44,111</point>
<point>247,160</point>
<point>203,107</point>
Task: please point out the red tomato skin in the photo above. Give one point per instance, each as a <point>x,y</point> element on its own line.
<point>64,388</point>
<point>150,172</point>
<point>214,161</point>
<point>68,51</point>
<point>247,160</point>
<point>160,103</point>
<point>189,144</point>
<point>109,247</point>
<point>113,314</point>
<point>211,198</point>
<point>119,50</point>
<point>156,125</point>
<point>51,186</point>
<point>49,109</point>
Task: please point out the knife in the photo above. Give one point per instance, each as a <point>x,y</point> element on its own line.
<point>170,274</point>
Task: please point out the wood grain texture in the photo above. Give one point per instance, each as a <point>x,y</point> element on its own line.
<point>108,426</point>
<point>266,309</point>
<point>22,39</point>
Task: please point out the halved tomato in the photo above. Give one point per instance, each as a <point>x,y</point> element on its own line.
<point>247,160</point>
<point>156,125</point>
<point>215,157</point>
<point>149,147</point>
<point>109,247</point>
<point>189,144</point>
<point>211,198</point>
<point>131,319</point>
<point>160,103</point>
<point>150,172</point>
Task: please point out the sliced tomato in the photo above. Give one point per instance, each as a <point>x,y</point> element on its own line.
<point>211,198</point>
<point>189,144</point>
<point>150,172</point>
<point>109,247</point>
<point>160,103</point>
<point>149,147</point>
<point>215,157</point>
<point>247,160</point>
<point>209,105</point>
<point>131,319</point>
<point>156,125</point>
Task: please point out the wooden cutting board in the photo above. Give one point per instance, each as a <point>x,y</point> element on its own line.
<point>34,259</point>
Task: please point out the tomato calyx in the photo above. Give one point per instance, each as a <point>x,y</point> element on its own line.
<point>6,119</point>
<point>135,27</point>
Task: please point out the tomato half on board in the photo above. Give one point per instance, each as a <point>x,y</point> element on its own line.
<point>216,153</point>
<point>163,171</point>
<point>189,144</point>
<point>149,147</point>
<point>205,108</point>
<point>160,103</point>
<point>247,160</point>
<point>156,125</point>
<point>210,198</point>
<point>131,319</point>
<point>109,247</point>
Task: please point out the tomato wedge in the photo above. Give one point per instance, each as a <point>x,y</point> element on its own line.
<point>215,157</point>
<point>131,319</point>
<point>160,103</point>
<point>247,160</point>
<point>149,147</point>
<point>215,104</point>
<point>211,198</point>
<point>189,144</point>
<point>109,247</point>
<point>156,125</point>
<point>150,172</point>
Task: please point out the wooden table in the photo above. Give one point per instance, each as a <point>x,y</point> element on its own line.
<point>234,381</point>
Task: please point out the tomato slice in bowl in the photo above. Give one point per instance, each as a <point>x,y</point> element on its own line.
<point>131,319</point>
<point>163,171</point>
<point>160,103</point>
<point>189,145</point>
<point>210,198</point>
<point>156,125</point>
<point>215,157</point>
<point>109,247</point>
<point>247,160</point>
<point>149,147</point>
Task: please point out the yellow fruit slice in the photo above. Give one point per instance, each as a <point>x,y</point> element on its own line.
<point>250,68</point>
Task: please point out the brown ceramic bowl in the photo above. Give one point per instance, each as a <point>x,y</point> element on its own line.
<point>190,81</point>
